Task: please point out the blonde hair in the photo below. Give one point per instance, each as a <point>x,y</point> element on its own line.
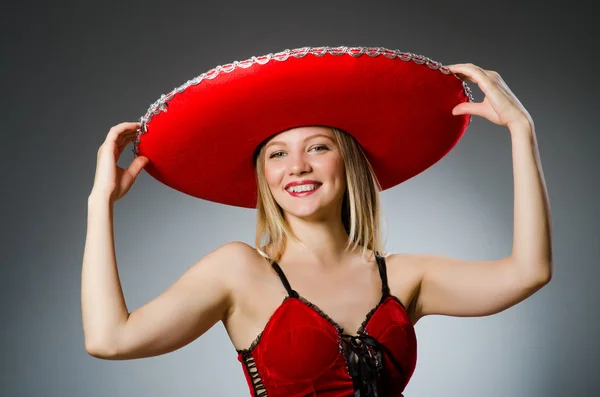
<point>360,206</point>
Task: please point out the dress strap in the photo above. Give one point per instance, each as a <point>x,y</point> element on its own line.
<point>284,280</point>
<point>385,289</point>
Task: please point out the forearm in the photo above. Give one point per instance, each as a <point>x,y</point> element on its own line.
<point>102,302</point>
<point>532,242</point>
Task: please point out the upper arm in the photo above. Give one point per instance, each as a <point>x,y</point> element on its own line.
<point>183,312</point>
<point>462,288</point>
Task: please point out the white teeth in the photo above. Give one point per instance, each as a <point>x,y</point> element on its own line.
<point>302,188</point>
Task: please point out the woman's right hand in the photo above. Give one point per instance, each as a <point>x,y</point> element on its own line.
<point>111,179</point>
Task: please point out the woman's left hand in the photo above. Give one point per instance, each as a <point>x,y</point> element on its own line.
<point>500,105</point>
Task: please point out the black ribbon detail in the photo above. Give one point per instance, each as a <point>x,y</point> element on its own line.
<point>365,362</point>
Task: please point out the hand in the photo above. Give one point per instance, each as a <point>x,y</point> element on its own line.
<point>111,179</point>
<point>500,105</point>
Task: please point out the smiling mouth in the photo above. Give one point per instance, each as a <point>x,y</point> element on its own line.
<point>303,193</point>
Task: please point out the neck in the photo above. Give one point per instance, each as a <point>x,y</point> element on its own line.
<point>326,240</point>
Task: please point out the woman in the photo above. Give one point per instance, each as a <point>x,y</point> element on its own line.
<point>326,313</point>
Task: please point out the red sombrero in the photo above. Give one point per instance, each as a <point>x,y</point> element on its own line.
<point>200,138</point>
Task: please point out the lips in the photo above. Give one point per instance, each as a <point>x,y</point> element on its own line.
<point>302,182</point>
<point>302,194</point>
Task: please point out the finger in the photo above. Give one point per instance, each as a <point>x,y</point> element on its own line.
<point>468,71</point>
<point>468,108</point>
<point>126,137</point>
<point>120,129</point>
<point>475,74</point>
<point>124,142</point>
<point>110,146</point>
<point>476,108</point>
<point>137,165</point>
<point>125,126</point>
<point>471,66</point>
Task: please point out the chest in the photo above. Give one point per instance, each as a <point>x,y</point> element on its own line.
<point>344,297</point>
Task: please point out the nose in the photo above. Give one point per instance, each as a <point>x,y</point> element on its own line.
<point>299,165</point>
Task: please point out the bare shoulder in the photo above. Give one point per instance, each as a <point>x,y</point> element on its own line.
<point>246,278</point>
<point>240,263</point>
<point>236,259</point>
<point>405,272</point>
<point>228,263</point>
<point>237,251</point>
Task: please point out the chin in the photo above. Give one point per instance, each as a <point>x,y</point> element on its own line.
<point>312,209</point>
<point>304,212</point>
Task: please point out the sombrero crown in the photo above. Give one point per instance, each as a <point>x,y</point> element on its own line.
<point>200,138</point>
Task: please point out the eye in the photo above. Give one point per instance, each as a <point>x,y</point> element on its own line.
<point>276,154</point>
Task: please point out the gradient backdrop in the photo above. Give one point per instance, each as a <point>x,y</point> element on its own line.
<point>71,70</point>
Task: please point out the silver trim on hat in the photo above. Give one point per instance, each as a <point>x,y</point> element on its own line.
<point>162,103</point>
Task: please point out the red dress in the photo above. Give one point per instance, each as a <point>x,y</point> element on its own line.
<point>303,352</point>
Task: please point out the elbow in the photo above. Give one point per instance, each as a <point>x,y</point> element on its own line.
<point>533,276</point>
<point>542,278</point>
<point>99,350</point>
<point>546,279</point>
<point>546,275</point>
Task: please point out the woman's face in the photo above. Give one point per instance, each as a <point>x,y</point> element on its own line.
<point>307,154</point>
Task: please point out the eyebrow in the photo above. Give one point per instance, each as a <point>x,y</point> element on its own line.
<point>304,140</point>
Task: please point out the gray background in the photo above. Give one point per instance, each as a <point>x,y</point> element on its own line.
<point>73,69</point>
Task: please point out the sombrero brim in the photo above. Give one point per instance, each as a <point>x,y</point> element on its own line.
<point>200,138</point>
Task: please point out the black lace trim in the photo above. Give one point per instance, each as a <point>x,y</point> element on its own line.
<point>257,339</point>
<point>257,383</point>
<point>252,345</point>
<point>394,297</point>
<point>361,329</point>
<point>321,313</point>
<point>338,328</point>
<point>385,292</point>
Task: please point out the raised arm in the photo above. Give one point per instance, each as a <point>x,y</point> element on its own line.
<point>456,287</point>
<point>182,313</point>
<point>188,308</point>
